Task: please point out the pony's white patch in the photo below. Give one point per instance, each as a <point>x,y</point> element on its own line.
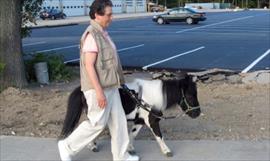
<point>151,92</point>
<point>132,114</point>
<point>144,114</point>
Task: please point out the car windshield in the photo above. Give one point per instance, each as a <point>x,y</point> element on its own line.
<point>191,10</point>
<point>54,11</point>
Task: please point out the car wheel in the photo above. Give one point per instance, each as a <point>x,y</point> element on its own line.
<point>64,16</point>
<point>189,20</point>
<point>160,21</point>
<point>53,18</point>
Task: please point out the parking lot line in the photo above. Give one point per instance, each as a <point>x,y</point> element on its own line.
<point>132,47</point>
<point>36,43</point>
<point>214,24</point>
<point>120,50</point>
<point>256,61</point>
<point>170,58</point>
<point>65,47</point>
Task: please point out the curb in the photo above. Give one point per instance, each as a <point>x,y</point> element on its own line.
<point>50,26</point>
<point>80,20</point>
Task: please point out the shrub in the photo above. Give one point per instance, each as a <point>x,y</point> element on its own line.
<point>58,71</point>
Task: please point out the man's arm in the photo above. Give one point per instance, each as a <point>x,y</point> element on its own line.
<point>90,60</point>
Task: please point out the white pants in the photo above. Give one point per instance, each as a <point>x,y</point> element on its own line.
<point>112,115</point>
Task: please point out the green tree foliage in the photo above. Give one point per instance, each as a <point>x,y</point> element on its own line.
<point>30,10</point>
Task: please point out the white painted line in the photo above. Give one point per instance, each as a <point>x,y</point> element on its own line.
<point>164,60</point>
<point>72,60</point>
<point>256,61</point>
<point>71,46</point>
<point>35,43</point>
<point>132,47</point>
<point>195,28</point>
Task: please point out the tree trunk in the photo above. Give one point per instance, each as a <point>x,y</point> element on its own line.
<point>11,44</point>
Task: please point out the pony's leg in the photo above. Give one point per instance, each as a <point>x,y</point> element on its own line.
<point>134,132</point>
<point>93,146</point>
<point>154,127</point>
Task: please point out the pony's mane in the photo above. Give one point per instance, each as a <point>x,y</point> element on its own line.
<point>172,89</point>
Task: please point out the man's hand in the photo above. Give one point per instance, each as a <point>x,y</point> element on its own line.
<point>101,99</point>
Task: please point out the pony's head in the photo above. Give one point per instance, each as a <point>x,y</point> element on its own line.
<point>189,99</point>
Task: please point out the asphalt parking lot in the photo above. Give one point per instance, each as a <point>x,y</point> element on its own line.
<point>238,41</point>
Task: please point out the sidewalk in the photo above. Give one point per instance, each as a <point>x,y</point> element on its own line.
<point>41,149</point>
<point>85,19</point>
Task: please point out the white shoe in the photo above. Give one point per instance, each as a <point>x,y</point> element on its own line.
<point>133,158</point>
<point>64,155</point>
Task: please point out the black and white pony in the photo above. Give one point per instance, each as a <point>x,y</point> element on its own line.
<point>158,94</point>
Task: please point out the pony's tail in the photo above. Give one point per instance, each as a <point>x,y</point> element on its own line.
<point>76,104</point>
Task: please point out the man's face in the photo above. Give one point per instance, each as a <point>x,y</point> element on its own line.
<point>106,19</point>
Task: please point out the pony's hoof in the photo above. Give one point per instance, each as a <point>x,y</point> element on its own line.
<point>169,154</point>
<point>95,149</point>
<point>132,152</point>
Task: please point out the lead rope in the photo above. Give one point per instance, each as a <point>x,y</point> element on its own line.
<point>141,104</point>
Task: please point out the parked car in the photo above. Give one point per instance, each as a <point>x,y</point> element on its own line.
<point>52,14</point>
<point>188,15</point>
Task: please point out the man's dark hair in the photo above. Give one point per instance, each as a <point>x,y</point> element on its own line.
<point>98,7</point>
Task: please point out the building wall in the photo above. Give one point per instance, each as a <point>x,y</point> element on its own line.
<point>81,7</point>
<point>208,5</point>
<point>133,6</point>
<point>73,7</point>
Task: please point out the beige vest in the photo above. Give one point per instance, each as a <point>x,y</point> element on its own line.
<point>108,66</point>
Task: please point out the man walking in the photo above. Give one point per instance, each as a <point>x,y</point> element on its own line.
<point>101,76</point>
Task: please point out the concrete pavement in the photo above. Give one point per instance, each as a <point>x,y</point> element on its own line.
<point>37,149</point>
<point>84,19</point>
